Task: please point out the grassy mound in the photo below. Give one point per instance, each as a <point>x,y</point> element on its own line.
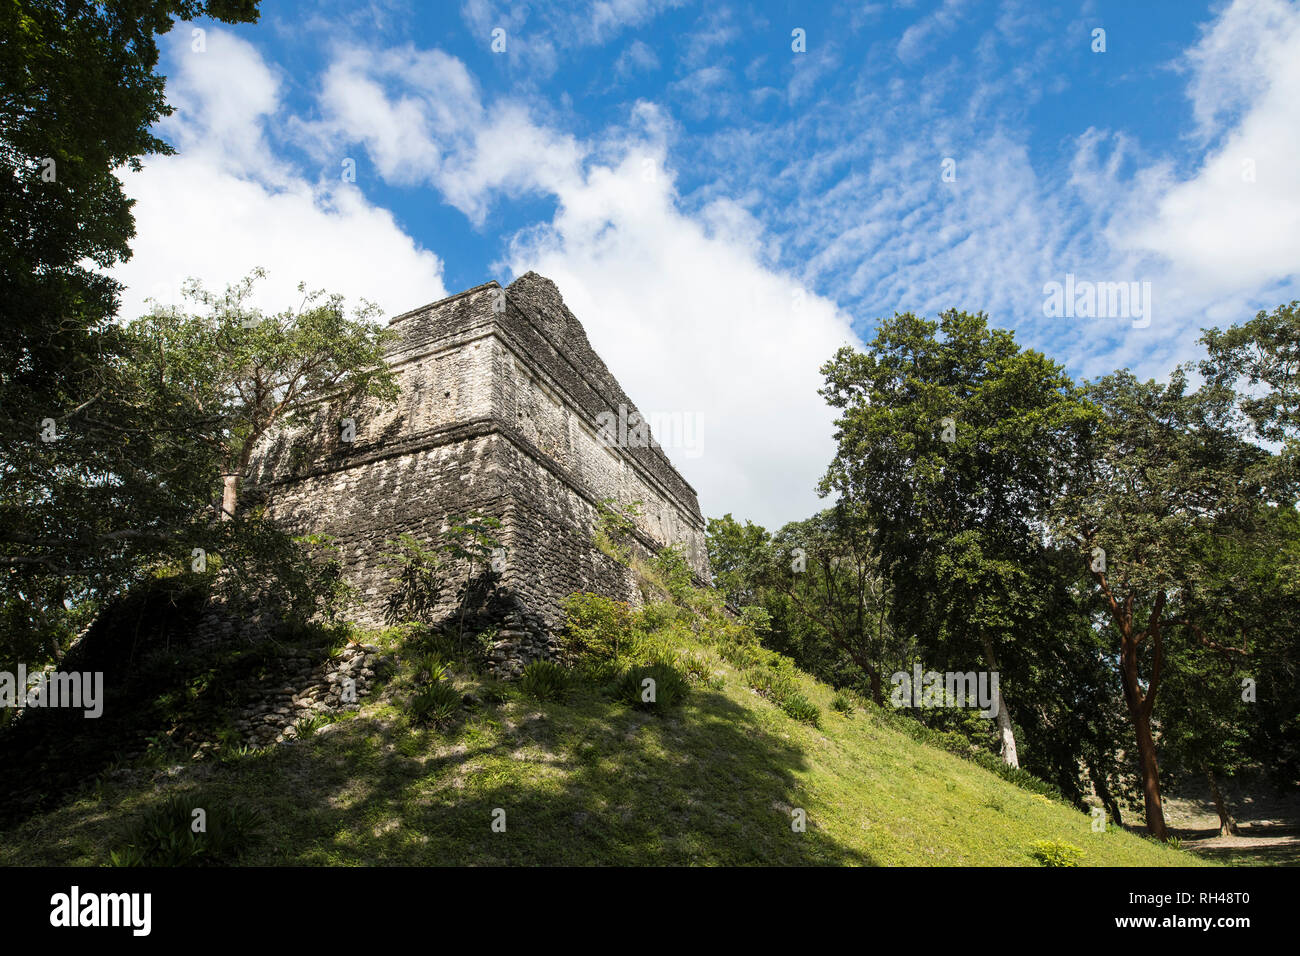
<point>670,737</point>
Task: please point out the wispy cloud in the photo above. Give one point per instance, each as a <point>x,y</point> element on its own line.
<point>228,202</point>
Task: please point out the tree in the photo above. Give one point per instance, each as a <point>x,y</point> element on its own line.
<point>821,588</point>
<point>1263,351</point>
<point>1229,685</point>
<point>246,372</point>
<point>78,98</point>
<point>952,441</point>
<point>739,557</point>
<point>827,572</point>
<point>1166,471</point>
<point>79,513</point>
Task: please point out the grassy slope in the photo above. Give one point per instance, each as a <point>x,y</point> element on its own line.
<point>597,782</point>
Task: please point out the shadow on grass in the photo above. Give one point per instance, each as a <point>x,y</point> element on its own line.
<point>592,783</point>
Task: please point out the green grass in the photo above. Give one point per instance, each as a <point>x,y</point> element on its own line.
<point>591,779</point>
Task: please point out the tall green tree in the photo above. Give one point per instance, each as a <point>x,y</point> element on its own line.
<point>1264,352</point>
<point>836,598</point>
<point>88,479</point>
<point>1168,470</point>
<point>952,441</point>
<point>1229,688</point>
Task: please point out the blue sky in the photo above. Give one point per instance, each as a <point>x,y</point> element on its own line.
<point>721,210</point>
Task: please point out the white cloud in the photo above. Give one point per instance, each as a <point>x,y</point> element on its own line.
<point>224,204</point>
<point>420,116</point>
<point>537,32</point>
<point>920,36</point>
<point>1234,226</point>
<point>637,58</point>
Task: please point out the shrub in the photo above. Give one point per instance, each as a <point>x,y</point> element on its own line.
<point>435,703</point>
<point>494,691</point>
<point>657,614</point>
<point>165,836</point>
<point>615,524</point>
<point>430,668</point>
<point>544,681</point>
<point>600,673</point>
<point>306,726</point>
<point>670,569</point>
<point>697,668</point>
<point>1055,853</point>
<point>416,577</point>
<point>801,708</point>
<point>597,627</point>
<point>842,702</point>
<point>756,618</point>
<point>742,656</point>
<point>669,687</point>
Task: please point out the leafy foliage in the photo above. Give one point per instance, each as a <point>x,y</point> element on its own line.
<point>615,528</point>
<point>468,547</point>
<point>597,627</point>
<point>657,686</point>
<point>99,478</point>
<point>417,579</point>
<point>1055,853</point>
<point>435,703</point>
<point>166,835</point>
<point>544,681</point>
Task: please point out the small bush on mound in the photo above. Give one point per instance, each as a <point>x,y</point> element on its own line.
<point>758,619</point>
<point>544,681</point>
<point>165,835</point>
<point>494,691</point>
<point>671,570</point>
<point>658,614</point>
<point>307,726</point>
<point>697,668</point>
<point>431,668</point>
<point>842,702</point>
<point>775,681</point>
<point>435,703</point>
<point>801,708</point>
<point>1055,853</point>
<point>600,673</point>
<point>740,655</point>
<point>597,627</point>
<point>668,689</point>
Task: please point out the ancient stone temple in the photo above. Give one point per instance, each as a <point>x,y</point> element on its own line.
<point>504,412</point>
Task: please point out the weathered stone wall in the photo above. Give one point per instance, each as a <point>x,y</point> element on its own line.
<point>498,415</point>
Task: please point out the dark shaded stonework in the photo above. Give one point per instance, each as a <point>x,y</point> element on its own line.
<point>498,415</point>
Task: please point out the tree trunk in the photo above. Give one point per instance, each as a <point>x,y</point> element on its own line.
<point>1227,825</point>
<point>1006,734</point>
<point>1103,793</point>
<point>1149,770</point>
<point>1139,709</point>
<point>877,694</point>
<point>229,496</point>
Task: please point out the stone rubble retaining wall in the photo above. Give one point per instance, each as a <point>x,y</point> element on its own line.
<point>309,691</point>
